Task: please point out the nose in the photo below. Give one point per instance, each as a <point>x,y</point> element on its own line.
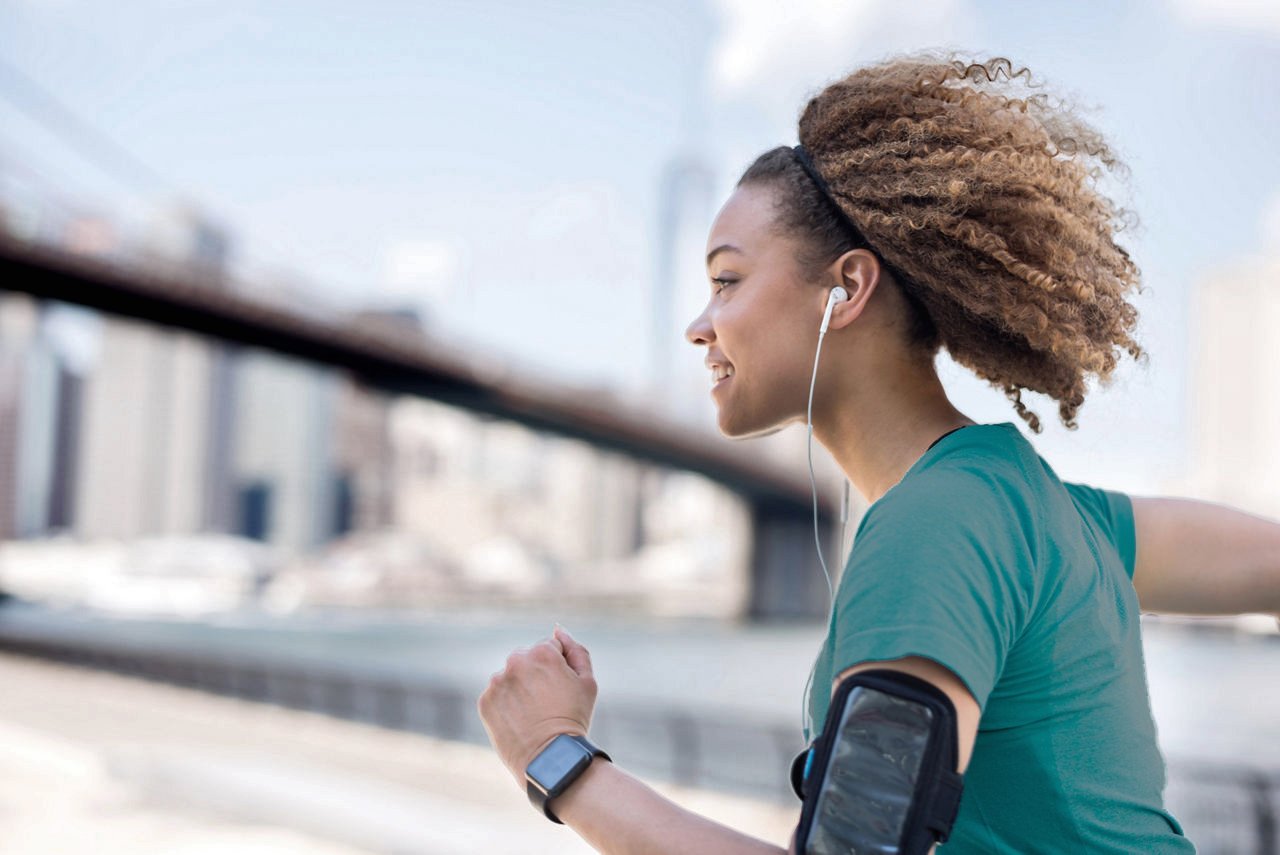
<point>699,330</point>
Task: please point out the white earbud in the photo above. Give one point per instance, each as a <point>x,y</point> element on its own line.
<point>837,295</point>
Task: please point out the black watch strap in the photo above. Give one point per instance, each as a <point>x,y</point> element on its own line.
<point>541,800</point>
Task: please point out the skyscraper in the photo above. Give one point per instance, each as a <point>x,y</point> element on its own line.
<point>1235,391</point>
<point>155,440</point>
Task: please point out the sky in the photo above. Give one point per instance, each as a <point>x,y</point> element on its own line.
<point>497,165</point>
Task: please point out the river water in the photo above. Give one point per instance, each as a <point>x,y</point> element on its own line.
<point>1215,693</point>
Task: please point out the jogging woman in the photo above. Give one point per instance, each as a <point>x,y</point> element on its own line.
<point>952,214</point>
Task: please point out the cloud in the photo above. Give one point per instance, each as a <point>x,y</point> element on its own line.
<point>1237,14</point>
<point>418,271</point>
<point>777,55</point>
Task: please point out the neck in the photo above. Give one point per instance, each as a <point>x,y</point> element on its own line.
<point>876,435</point>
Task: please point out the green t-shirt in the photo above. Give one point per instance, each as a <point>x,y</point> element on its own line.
<point>981,559</point>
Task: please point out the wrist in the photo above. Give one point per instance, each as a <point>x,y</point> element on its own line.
<point>578,796</point>
<point>559,767</point>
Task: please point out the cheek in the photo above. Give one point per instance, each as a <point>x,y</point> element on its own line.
<point>766,339</point>
<point>748,322</point>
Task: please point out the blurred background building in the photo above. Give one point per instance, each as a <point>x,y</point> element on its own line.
<point>1235,386</point>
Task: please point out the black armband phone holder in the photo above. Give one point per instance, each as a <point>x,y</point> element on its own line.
<point>882,775</point>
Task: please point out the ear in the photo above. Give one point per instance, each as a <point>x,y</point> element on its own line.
<point>858,270</point>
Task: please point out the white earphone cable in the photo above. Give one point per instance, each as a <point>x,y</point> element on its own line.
<point>812,479</point>
<point>844,516</point>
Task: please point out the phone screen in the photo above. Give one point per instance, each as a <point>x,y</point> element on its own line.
<point>870,775</point>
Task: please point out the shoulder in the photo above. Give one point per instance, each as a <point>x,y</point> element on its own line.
<point>1112,511</point>
<point>948,532</point>
<point>955,497</point>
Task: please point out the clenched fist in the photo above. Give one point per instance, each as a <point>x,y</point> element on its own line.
<point>543,691</point>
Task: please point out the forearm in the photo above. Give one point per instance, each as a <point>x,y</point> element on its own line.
<point>1206,558</point>
<point>618,814</point>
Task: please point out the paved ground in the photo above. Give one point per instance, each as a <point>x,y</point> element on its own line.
<point>95,762</point>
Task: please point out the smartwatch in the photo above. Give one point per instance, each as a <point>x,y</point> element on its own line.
<point>556,767</point>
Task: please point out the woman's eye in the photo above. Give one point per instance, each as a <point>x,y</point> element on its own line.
<point>723,283</point>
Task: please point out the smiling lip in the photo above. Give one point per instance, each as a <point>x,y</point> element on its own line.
<point>721,382</point>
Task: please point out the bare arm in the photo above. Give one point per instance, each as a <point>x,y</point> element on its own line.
<point>618,814</point>
<point>549,689</point>
<point>1196,557</point>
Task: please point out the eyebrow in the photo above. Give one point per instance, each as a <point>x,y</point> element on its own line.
<point>711,255</point>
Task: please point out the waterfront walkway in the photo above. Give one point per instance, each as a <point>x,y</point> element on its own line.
<point>711,705</point>
<point>96,762</point>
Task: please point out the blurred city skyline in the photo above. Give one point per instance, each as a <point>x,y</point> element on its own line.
<point>528,186</point>
<point>500,167</point>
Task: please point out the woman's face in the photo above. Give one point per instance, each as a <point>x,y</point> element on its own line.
<point>761,320</point>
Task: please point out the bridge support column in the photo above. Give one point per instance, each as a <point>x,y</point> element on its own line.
<point>786,581</point>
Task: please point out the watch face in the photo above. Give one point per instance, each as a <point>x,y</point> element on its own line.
<point>561,757</point>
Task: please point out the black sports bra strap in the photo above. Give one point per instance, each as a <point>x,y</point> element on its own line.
<point>948,433</point>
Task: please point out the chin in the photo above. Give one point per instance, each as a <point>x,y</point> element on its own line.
<point>731,430</point>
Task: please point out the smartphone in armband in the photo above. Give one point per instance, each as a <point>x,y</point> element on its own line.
<point>881,778</point>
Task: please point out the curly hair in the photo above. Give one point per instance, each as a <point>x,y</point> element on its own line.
<point>983,206</point>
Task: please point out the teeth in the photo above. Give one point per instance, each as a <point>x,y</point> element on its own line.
<point>722,372</point>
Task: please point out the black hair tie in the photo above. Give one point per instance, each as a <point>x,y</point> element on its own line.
<point>806,162</point>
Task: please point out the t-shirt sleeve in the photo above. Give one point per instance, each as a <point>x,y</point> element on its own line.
<point>940,568</point>
<point>1112,510</point>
